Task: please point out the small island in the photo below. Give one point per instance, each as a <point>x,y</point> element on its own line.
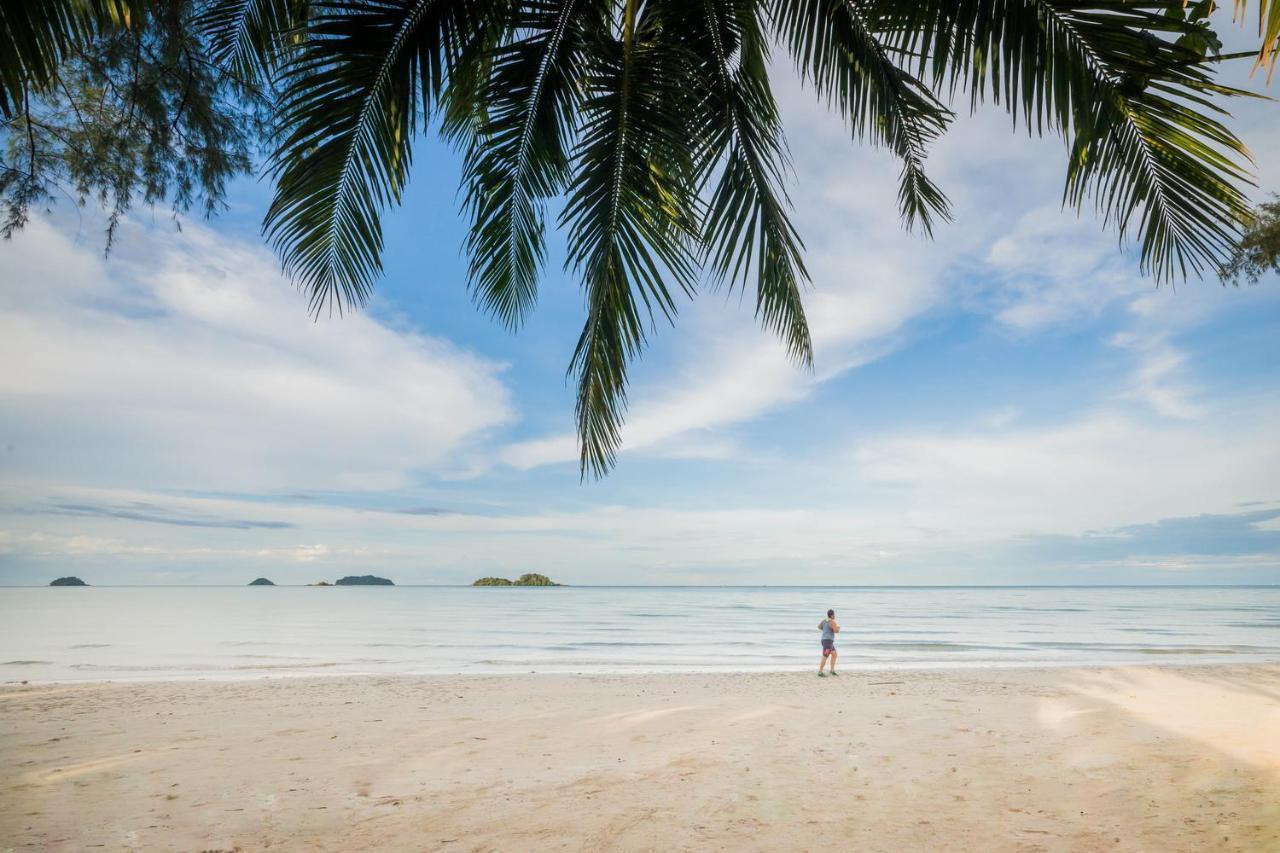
<point>262,582</point>
<point>529,579</point>
<point>321,583</point>
<point>67,581</point>
<point>363,580</point>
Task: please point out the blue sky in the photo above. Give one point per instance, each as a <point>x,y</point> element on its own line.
<point>1011,402</point>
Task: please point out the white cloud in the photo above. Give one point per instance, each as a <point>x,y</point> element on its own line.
<point>1002,417</point>
<point>732,372</point>
<point>1104,469</point>
<point>1054,268</point>
<point>1206,565</point>
<point>935,505</point>
<point>186,361</point>
<point>1157,380</point>
<point>1164,376</point>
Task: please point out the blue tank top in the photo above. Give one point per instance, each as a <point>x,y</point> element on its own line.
<point>827,633</point>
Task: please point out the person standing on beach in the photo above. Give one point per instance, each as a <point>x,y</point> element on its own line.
<point>829,628</point>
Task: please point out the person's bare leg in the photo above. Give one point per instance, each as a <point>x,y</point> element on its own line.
<point>834,655</point>
<point>823,663</point>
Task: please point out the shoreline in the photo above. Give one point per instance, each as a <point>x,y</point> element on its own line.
<point>260,674</point>
<point>1164,758</point>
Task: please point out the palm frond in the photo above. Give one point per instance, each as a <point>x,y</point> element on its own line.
<point>836,48</point>
<point>747,228</point>
<point>1134,103</point>
<point>248,37</point>
<point>350,106</point>
<point>629,216</point>
<point>1268,29</point>
<point>519,152</point>
<point>36,37</point>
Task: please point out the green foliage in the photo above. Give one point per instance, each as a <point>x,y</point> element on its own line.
<point>534,579</point>
<point>251,38</point>
<point>36,38</point>
<point>518,154</point>
<point>652,122</point>
<point>1258,251</point>
<point>528,579</point>
<point>850,67</point>
<point>354,92</point>
<point>128,112</point>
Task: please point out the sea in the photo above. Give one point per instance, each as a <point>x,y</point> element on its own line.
<point>130,633</point>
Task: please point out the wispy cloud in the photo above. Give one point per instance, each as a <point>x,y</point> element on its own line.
<point>1054,268</point>
<point>1103,468</point>
<point>187,362</point>
<point>424,510</point>
<point>1240,545</point>
<point>153,514</point>
<point>1158,379</point>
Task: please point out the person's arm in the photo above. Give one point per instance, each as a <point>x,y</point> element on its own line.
<point>835,626</point>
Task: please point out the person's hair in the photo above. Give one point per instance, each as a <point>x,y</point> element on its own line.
<point>831,614</point>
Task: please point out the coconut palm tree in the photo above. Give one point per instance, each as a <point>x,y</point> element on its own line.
<point>649,130</point>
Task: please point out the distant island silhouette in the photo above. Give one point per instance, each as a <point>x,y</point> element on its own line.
<point>67,581</point>
<point>363,580</point>
<point>262,582</point>
<point>529,579</point>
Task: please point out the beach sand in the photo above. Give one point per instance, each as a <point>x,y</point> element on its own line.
<point>1158,758</point>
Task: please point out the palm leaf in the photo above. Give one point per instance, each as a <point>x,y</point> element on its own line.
<point>835,47</point>
<point>36,37</point>
<point>629,216</point>
<point>1268,28</point>
<point>747,228</point>
<point>1134,103</point>
<point>518,154</point>
<point>350,107</point>
<point>248,37</point>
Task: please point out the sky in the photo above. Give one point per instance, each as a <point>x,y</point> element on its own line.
<point>1011,402</point>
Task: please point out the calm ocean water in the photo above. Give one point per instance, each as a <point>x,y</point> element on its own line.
<point>224,632</point>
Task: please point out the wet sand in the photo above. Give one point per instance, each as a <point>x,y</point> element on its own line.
<point>1151,759</point>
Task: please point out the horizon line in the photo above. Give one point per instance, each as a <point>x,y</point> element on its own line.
<point>669,586</point>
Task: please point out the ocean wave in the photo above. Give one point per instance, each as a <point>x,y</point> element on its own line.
<point>939,646</point>
<point>197,667</point>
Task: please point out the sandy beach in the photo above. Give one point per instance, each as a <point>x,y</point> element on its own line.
<point>1158,758</point>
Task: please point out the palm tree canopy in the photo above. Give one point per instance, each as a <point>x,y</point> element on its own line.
<point>649,129</point>
<point>1258,251</point>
